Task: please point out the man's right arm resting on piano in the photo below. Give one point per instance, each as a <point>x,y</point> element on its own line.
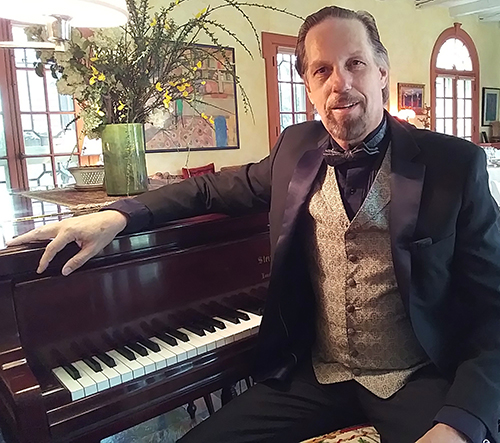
<point>233,192</point>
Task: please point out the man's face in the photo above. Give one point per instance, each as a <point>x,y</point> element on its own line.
<point>344,80</point>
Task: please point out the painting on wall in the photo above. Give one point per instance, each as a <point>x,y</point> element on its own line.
<point>210,122</point>
<point>491,105</point>
<point>411,96</point>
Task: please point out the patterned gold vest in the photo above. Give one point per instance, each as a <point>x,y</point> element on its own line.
<point>363,332</point>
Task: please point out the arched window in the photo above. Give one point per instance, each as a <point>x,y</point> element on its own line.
<point>454,85</point>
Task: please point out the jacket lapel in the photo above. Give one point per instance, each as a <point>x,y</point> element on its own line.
<point>299,188</point>
<point>407,178</point>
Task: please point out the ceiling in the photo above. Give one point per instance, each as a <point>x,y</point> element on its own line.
<point>486,10</point>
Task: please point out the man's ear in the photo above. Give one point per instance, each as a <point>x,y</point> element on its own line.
<point>384,76</point>
<point>308,90</point>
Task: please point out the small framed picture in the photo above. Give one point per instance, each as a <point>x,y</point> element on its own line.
<point>411,96</point>
<point>491,105</point>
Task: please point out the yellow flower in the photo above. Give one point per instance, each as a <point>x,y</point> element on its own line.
<point>185,94</point>
<point>154,22</point>
<point>211,120</point>
<point>181,88</point>
<point>121,106</point>
<point>198,65</point>
<point>177,2</point>
<point>166,102</point>
<point>94,70</point>
<point>173,83</point>
<point>100,113</point>
<point>205,116</point>
<point>203,11</point>
<point>92,80</point>
<point>158,87</point>
<point>168,96</point>
<point>101,77</point>
<point>93,59</point>
<point>195,68</point>
<point>203,82</point>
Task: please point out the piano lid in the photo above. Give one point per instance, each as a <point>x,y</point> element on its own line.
<point>20,214</point>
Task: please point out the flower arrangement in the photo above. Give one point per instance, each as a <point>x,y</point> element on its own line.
<point>122,75</point>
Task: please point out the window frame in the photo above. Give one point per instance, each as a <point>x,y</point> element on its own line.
<point>457,32</point>
<point>270,46</point>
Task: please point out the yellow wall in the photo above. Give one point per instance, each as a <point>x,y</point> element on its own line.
<point>409,35</point>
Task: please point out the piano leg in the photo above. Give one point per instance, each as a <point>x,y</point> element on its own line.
<point>191,409</point>
<point>209,403</point>
<point>228,393</point>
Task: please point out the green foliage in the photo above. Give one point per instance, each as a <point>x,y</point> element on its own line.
<point>122,75</point>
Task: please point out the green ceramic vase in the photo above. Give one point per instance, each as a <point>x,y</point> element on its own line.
<point>124,159</point>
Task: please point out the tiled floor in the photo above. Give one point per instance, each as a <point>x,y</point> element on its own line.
<point>166,428</point>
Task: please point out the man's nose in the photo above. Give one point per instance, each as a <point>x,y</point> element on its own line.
<point>341,80</point>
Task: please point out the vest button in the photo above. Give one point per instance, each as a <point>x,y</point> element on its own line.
<point>352,258</point>
<point>350,236</point>
<point>351,283</point>
<point>351,331</point>
<point>356,371</point>
<point>354,353</point>
<point>350,308</point>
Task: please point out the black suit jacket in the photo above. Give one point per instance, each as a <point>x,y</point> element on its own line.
<point>445,247</point>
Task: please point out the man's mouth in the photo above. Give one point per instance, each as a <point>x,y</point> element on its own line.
<point>346,106</point>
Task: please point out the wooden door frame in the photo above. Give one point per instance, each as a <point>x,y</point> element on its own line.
<point>270,44</point>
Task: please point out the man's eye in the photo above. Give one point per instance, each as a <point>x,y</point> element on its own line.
<point>357,63</point>
<point>320,71</point>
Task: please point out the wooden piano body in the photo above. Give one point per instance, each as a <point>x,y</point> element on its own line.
<point>137,284</point>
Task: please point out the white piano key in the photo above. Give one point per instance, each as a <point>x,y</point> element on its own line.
<point>158,359</point>
<point>188,347</point>
<point>168,351</point>
<point>148,364</point>
<point>111,374</point>
<point>196,341</point>
<point>72,385</point>
<point>100,380</point>
<point>238,330</point>
<point>254,320</point>
<point>137,369</point>
<point>123,370</point>
<point>89,385</point>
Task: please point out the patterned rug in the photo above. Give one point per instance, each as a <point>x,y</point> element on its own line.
<point>73,199</point>
<point>365,434</point>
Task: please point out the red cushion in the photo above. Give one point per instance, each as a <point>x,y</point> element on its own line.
<point>193,172</point>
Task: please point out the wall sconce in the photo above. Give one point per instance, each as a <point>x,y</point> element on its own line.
<point>60,15</point>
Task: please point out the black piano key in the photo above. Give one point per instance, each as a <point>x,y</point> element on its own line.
<point>230,311</point>
<point>177,334</point>
<point>151,345</point>
<point>218,324</point>
<point>129,355</point>
<point>136,347</point>
<point>167,338</point>
<point>195,329</point>
<point>205,324</point>
<point>72,371</point>
<point>93,364</point>
<point>107,360</point>
<point>217,310</point>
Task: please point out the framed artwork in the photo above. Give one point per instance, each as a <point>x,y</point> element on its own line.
<point>491,105</point>
<point>411,96</point>
<point>210,123</point>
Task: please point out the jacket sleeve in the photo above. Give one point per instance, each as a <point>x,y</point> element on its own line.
<point>476,386</point>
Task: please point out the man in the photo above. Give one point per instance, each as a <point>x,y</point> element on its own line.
<point>383,302</point>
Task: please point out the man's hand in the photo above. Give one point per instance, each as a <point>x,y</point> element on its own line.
<point>91,232</point>
<point>442,433</point>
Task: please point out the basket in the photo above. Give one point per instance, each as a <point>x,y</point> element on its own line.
<point>88,177</point>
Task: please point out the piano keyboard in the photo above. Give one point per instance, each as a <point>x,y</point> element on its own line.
<point>88,376</point>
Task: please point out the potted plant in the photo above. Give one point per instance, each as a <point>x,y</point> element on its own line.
<point>120,76</point>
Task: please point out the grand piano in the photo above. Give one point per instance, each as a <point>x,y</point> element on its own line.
<point>156,320</point>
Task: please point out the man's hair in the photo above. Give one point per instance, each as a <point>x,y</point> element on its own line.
<point>379,50</point>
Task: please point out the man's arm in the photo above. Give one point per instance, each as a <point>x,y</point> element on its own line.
<point>476,269</point>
